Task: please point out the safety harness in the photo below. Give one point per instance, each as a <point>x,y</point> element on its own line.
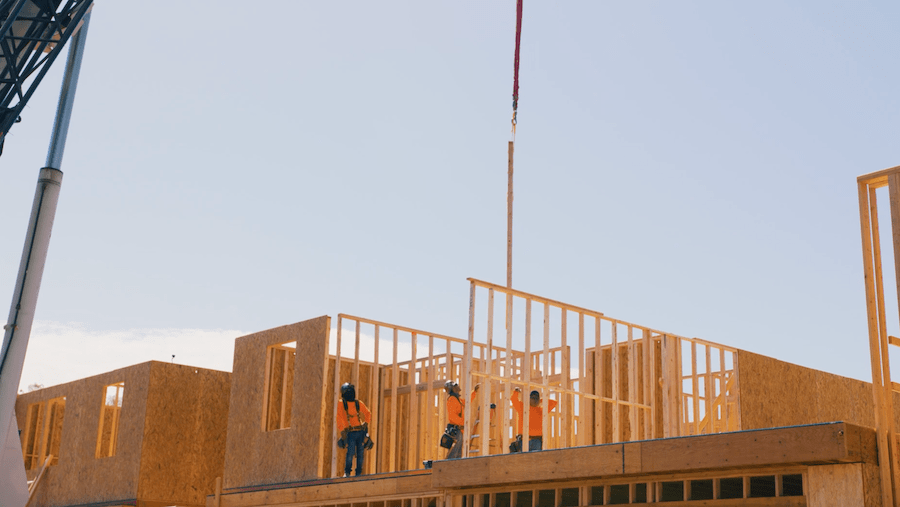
<point>362,425</point>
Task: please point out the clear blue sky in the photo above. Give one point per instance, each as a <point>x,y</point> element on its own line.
<point>231,167</point>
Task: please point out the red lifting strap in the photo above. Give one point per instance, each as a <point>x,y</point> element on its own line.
<point>516,63</point>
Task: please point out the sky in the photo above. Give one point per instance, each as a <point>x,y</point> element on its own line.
<point>687,166</point>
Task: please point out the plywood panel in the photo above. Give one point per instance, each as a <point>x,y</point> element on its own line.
<point>835,485</point>
<point>80,477</point>
<point>254,456</point>
<point>184,435</point>
<point>776,393</point>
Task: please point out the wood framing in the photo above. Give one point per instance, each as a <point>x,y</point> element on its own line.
<point>164,436</point>
<point>879,341</point>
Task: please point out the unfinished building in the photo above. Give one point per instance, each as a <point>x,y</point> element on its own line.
<point>643,416</point>
<point>152,434</point>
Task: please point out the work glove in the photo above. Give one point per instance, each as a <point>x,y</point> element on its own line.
<point>342,443</point>
<point>369,443</point>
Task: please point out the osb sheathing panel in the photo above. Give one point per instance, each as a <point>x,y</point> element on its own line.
<point>184,434</point>
<point>257,457</point>
<point>80,477</point>
<point>774,393</point>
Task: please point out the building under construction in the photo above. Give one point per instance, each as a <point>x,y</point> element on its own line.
<point>644,416</point>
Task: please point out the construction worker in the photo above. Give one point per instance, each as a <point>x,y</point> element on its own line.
<point>535,419</point>
<point>353,423</point>
<point>456,416</point>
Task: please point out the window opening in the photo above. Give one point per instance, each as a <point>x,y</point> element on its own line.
<point>702,490</point>
<point>279,390</point>
<point>53,431</point>
<point>546,497</point>
<point>596,495</point>
<point>569,497</point>
<point>618,494</point>
<point>640,493</point>
<point>43,431</point>
<point>108,432</point>
<point>524,498</point>
<point>33,426</point>
<point>502,500</point>
<point>672,491</point>
<point>792,485</point>
<point>762,486</point>
<point>732,487</point>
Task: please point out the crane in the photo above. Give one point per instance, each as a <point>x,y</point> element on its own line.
<point>32,34</point>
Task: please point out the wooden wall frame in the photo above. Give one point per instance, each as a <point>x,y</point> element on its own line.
<point>879,341</point>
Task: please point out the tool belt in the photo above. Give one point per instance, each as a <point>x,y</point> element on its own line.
<point>450,436</point>
<point>357,428</point>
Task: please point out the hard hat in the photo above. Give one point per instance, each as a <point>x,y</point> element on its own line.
<point>348,392</point>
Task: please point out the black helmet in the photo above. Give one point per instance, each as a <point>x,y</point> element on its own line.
<point>449,385</point>
<point>348,392</point>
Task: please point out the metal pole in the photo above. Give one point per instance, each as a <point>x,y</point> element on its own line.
<point>31,268</point>
<point>67,96</point>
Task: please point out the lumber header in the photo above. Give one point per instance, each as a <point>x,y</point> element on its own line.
<point>838,442</point>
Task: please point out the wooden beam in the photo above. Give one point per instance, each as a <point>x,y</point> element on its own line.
<point>399,328</point>
<point>534,297</point>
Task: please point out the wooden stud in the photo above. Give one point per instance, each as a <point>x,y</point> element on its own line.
<point>695,388</point>
<point>336,397</point>
<point>722,390</point>
<point>562,413</point>
<point>508,373</point>
<point>582,385</point>
<point>395,408</point>
<point>413,406</point>
<point>632,366</point>
<point>616,395</point>
<point>526,391</point>
<point>599,367</point>
<point>355,372</point>
<point>376,399</point>
<point>647,382</point>
<point>545,381</point>
<point>465,384</point>
<point>431,425</point>
<point>708,392</point>
<point>653,381</point>
<point>486,390</point>
<point>879,353</point>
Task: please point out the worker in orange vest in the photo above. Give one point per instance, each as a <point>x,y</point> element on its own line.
<point>535,420</point>
<point>353,423</point>
<point>456,416</point>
